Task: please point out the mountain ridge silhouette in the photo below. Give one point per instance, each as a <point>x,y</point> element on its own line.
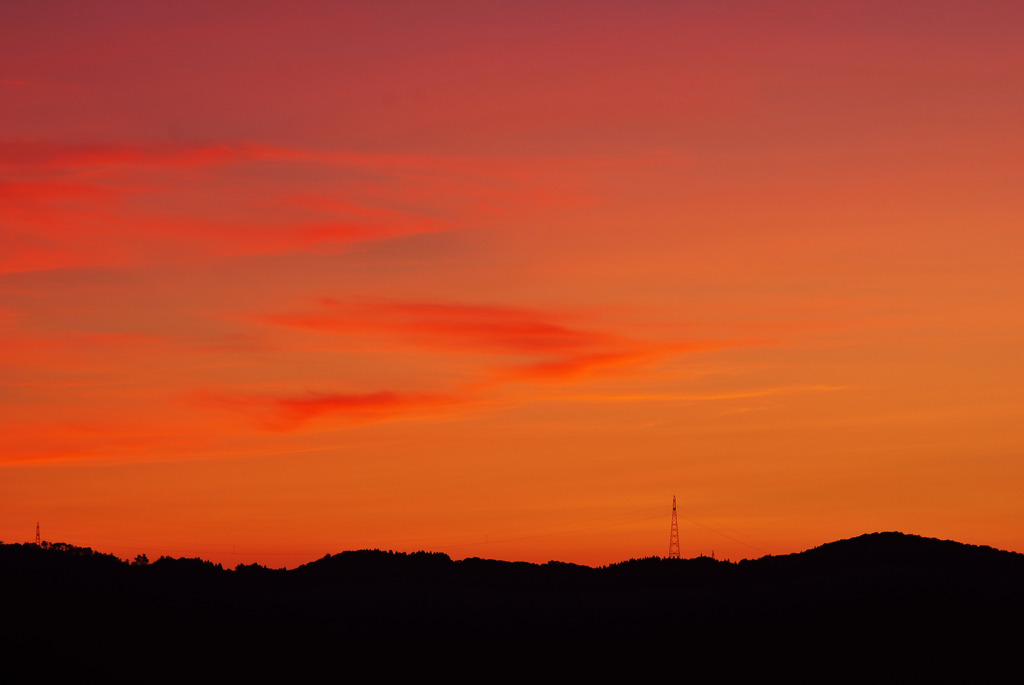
<point>879,590</point>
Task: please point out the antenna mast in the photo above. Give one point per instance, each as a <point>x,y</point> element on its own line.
<point>37,534</point>
<point>673,536</point>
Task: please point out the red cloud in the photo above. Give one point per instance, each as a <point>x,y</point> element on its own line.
<point>367,406</point>
<point>122,203</point>
<point>287,413</point>
<point>101,204</point>
<point>575,366</point>
<point>544,350</point>
<point>626,354</point>
<point>473,328</point>
<point>555,352</point>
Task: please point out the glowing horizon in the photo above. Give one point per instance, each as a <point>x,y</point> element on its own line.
<point>500,280</point>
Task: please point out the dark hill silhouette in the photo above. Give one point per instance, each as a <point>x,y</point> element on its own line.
<point>875,597</point>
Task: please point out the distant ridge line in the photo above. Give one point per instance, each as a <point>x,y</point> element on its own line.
<point>840,600</point>
<point>865,547</point>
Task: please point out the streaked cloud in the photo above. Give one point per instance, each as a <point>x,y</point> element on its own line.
<point>291,412</point>
<point>106,204</point>
<point>510,345</point>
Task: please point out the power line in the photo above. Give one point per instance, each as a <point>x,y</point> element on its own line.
<point>726,535</point>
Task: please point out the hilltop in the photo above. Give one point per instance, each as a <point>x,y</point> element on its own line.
<point>883,589</point>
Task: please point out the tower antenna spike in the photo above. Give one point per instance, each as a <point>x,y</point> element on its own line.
<point>673,536</point>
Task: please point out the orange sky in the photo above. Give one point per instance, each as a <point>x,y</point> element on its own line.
<point>499,279</point>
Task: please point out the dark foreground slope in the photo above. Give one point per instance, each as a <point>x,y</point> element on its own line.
<point>883,601</point>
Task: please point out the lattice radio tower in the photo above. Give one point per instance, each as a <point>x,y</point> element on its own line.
<point>673,536</point>
<point>37,534</point>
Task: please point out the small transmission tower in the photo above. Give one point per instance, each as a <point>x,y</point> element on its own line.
<point>38,543</point>
<point>673,536</point>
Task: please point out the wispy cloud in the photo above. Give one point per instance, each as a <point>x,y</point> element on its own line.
<point>558,349</point>
<point>29,443</point>
<point>458,327</point>
<point>508,345</point>
<point>143,203</point>
<point>283,413</point>
<point>685,397</point>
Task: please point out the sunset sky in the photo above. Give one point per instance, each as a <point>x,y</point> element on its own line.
<point>499,279</point>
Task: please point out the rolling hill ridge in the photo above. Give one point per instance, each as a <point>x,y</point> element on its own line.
<point>882,589</point>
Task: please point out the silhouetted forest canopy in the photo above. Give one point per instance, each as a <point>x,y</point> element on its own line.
<point>888,587</point>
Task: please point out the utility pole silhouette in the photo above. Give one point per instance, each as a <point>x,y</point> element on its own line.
<point>38,543</point>
<point>673,536</point>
